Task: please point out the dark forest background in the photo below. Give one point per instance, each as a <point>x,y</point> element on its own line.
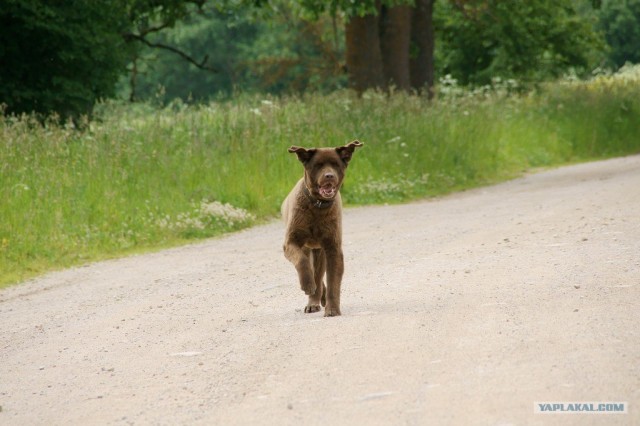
<point>63,56</point>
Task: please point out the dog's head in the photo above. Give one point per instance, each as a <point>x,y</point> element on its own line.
<point>324,168</point>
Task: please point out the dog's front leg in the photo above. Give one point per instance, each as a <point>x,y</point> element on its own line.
<point>335,269</point>
<point>299,256</point>
<point>319,264</point>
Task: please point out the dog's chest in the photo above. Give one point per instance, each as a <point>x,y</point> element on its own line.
<point>316,235</point>
<point>320,231</point>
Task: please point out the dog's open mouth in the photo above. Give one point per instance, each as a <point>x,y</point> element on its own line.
<point>328,190</point>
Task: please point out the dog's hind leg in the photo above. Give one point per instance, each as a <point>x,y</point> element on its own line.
<point>319,264</point>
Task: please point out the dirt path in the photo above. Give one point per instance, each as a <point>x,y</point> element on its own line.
<point>463,310</point>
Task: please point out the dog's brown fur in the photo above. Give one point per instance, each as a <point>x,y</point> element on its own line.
<point>312,213</point>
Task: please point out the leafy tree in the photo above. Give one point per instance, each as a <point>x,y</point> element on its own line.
<point>59,56</point>
<point>525,39</point>
<point>204,35</point>
<point>379,42</point>
<point>620,21</point>
<point>294,55</point>
<point>280,53</point>
<point>387,42</point>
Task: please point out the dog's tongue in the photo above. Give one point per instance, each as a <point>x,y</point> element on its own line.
<point>327,191</point>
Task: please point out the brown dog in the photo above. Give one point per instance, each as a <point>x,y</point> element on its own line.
<point>312,213</point>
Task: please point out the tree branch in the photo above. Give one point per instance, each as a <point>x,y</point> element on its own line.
<point>143,33</point>
<point>200,64</point>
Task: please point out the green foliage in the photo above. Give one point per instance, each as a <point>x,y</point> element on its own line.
<point>309,9</point>
<point>620,21</point>
<point>222,39</point>
<point>59,56</point>
<point>145,13</point>
<point>285,55</point>
<point>531,40</point>
<point>139,177</point>
<point>348,7</point>
<point>276,52</point>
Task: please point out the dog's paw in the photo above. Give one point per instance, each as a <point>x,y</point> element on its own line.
<point>332,312</point>
<point>309,288</point>
<point>311,308</point>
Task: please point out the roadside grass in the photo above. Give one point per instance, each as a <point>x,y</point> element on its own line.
<point>139,177</point>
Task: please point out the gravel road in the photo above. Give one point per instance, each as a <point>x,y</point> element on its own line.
<point>466,309</point>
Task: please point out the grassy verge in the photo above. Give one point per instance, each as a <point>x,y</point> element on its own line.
<point>139,178</point>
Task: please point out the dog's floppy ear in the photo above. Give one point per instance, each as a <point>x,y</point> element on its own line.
<point>346,151</point>
<point>304,155</point>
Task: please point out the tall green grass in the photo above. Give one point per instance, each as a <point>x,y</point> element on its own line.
<point>139,177</point>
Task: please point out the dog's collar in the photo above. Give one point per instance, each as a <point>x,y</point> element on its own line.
<point>320,204</point>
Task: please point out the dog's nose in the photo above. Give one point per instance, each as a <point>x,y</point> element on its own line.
<point>329,175</point>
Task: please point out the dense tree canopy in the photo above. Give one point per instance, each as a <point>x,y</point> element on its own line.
<point>58,56</point>
<point>61,56</point>
<point>281,54</point>
<point>620,21</point>
<point>523,39</point>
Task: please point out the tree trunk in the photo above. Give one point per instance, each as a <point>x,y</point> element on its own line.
<point>393,47</point>
<point>364,60</point>
<point>395,40</point>
<point>422,47</point>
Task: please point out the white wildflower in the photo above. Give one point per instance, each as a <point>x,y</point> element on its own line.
<point>225,212</point>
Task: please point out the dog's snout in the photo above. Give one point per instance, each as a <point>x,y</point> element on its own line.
<point>329,175</point>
